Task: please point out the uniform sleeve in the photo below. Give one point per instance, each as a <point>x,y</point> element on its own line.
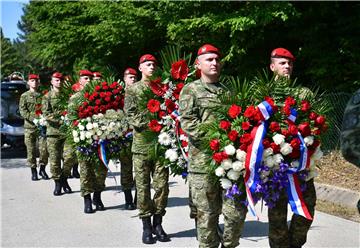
<point>24,111</point>
<point>48,111</point>
<point>135,118</point>
<point>190,117</point>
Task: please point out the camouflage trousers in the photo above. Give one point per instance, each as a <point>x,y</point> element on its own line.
<point>207,202</point>
<point>69,158</point>
<point>92,176</point>
<point>294,236</point>
<point>31,136</point>
<point>56,148</point>
<point>127,179</point>
<point>144,170</point>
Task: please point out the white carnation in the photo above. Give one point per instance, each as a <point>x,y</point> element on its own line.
<point>88,135</point>
<point>75,133</point>
<point>95,125</point>
<point>229,150</point>
<point>76,139</point>
<point>219,171</point>
<point>309,140</point>
<point>233,175</point>
<point>238,166</point>
<point>95,137</point>
<point>286,149</point>
<point>99,132</point>
<point>225,183</point>
<point>171,154</point>
<point>269,161</point>
<point>226,164</point>
<point>278,158</point>
<point>164,139</point>
<point>267,152</point>
<point>82,137</point>
<point>278,139</point>
<point>81,127</point>
<point>35,121</point>
<point>240,155</point>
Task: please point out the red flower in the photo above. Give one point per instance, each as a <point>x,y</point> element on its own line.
<point>96,109</point>
<point>275,147</point>
<point>295,143</point>
<point>305,106</point>
<point>116,91</point>
<point>86,95</point>
<point>245,138</point>
<point>98,102</point>
<point>170,105</point>
<point>97,87</point>
<point>85,104</point>
<point>153,105</point>
<point>179,70</point>
<point>158,88</point>
<point>245,125</point>
<point>290,101</point>
<point>38,112</point>
<point>285,132</point>
<point>270,100</point>
<point>250,112</point>
<point>243,147</point>
<point>161,114</point>
<point>233,135</point>
<point>108,99</point>
<point>75,123</point>
<point>214,145</point>
<point>293,130</point>
<point>274,127</point>
<point>234,111</point>
<point>184,143</point>
<point>177,91</point>
<point>217,157</point>
<point>312,116</point>
<point>304,129</point>
<point>224,155</point>
<point>113,85</point>
<point>102,94</point>
<point>295,154</point>
<point>64,113</point>
<point>287,110</point>
<point>154,126</point>
<point>266,143</point>
<point>225,125</point>
<point>320,120</point>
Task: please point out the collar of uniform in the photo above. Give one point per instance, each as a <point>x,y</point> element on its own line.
<point>212,87</point>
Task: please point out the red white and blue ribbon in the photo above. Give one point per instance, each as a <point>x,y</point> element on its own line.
<point>175,115</point>
<point>102,156</point>
<point>293,115</point>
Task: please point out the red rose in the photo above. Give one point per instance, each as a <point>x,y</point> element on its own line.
<point>108,99</point>
<point>290,101</point>
<point>320,120</point>
<point>312,116</point>
<point>305,106</point>
<point>245,125</point>
<point>304,129</point>
<point>214,145</point>
<point>104,83</point>
<point>250,112</point>
<point>98,102</point>
<point>75,123</point>
<point>224,155</point>
<point>153,105</point>
<point>293,130</point>
<point>64,113</point>
<point>217,157</point>
<point>234,111</point>
<point>38,112</point>
<point>233,134</point>
<point>108,94</point>
<point>275,147</point>
<point>285,132</point>
<point>91,98</point>
<point>102,94</point>
<point>243,147</point>
<point>270,100</point>
<point>161,114</point>
<point>170,105</point>
<point>95,94</point>
<point>295,143</point>
<point>118,98</point>
<point>114,85</point>
<point>154,126</point>
<point>96,109</point>
<point>316,143</point>
<point>287,110</point>
<point>97,87</point>
<point>115,92</point>
<point>179,70</point>
<point>86,95</point>
<point>179,87</point>
<point>274,126</point>
<point>245,138</point>
<point>225,125</point>
<point>120,87</point>
<point>295,154</point>
<point>266,143</point>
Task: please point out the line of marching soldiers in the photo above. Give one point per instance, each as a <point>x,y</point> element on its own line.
<point>206,198</point>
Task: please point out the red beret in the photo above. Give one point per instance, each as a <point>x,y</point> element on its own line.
<point>282,53</point>
<point>207,48</point>
<point>57,75</point>
<point>33,76</point>
<point>130,71</point>
<point>85,73</point>
<point>147,57</point>
<point>97,74</point>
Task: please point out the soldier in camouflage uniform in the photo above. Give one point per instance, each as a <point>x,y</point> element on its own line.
<point>143,165</point>
<point>196,100</point>
<point>27,106</point>
<point>127,180</point>
<point>350,133</point>
<point>92,176</point>
<point>280,235</point>
<point>52,109</point>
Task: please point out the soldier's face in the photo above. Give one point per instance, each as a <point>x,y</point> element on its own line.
<point>147,69</point>
<point>56,82</point>
<point>84,80</point>
<point>33,83</point>
<point>209,65</point>
<point>97,78</point>
<point>129,79</point>
<point>282,66</point>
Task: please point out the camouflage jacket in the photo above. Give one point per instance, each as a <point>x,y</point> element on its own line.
<point>350,132</point>
<point>52,110</point>
<point>196,100</point>
<point>27,107</point>
<point>137,118</point>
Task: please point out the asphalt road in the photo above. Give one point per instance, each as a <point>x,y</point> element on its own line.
<point>32,217</point>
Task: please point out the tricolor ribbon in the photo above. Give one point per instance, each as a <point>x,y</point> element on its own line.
<point>175,115</point>
<point>102,156</point>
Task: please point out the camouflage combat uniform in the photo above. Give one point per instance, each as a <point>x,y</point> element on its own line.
<point>196,100</point>
<point>143,165</point>
<point>27,106</point>
<point>280,235</point>
<point>52,109</point>
<point>127,179</point>
<point>350,133</point>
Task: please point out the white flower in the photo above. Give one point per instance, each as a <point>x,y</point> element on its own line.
<point>278,158</point>
<point>171,154</point>
<point>95,137</point>
<point>219,171</point>
<point>36,121</point>
<point>238,165</point>
<point>82,137</point>
<point>309,140</point>
<point>95,125</point>
<point>226,164</point>
<point>240,155</point>
<point>225,183</point>
<point>99,132</point>
<point>88,135</point>
<point>81,127</point>
<point>286,149</point>
<point>295,164</point>
<point>164,139</point>
<point>75,133</point>
<point>104,128</point>
<point>229,150</point>
<point>89,126</point>
<point>269,161</point>
<point>233,175</point>
<point>76,139</point>
<point>278,139</point>
<point>267,152</point>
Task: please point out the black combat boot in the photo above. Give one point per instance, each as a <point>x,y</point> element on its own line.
<point>65,185</point>
<point>34,175</point>
<point>195,219</point>
<point>42,172</point>
<point>147,237</point>
<point>87,204</point>
<point>129,205</point>
<point>97,201</point>
<point>75,172</point>
<point>158,230</point>
<point>57,190</point>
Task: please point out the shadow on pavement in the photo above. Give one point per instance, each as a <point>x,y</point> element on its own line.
<point>182,234</point>
<point>255,229</point>
<point>178,201</point>
<point>12,152</point>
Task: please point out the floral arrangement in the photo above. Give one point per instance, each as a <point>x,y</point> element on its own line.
<point>268,146</point>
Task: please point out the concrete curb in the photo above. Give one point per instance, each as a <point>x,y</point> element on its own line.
<point>337,195</point>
